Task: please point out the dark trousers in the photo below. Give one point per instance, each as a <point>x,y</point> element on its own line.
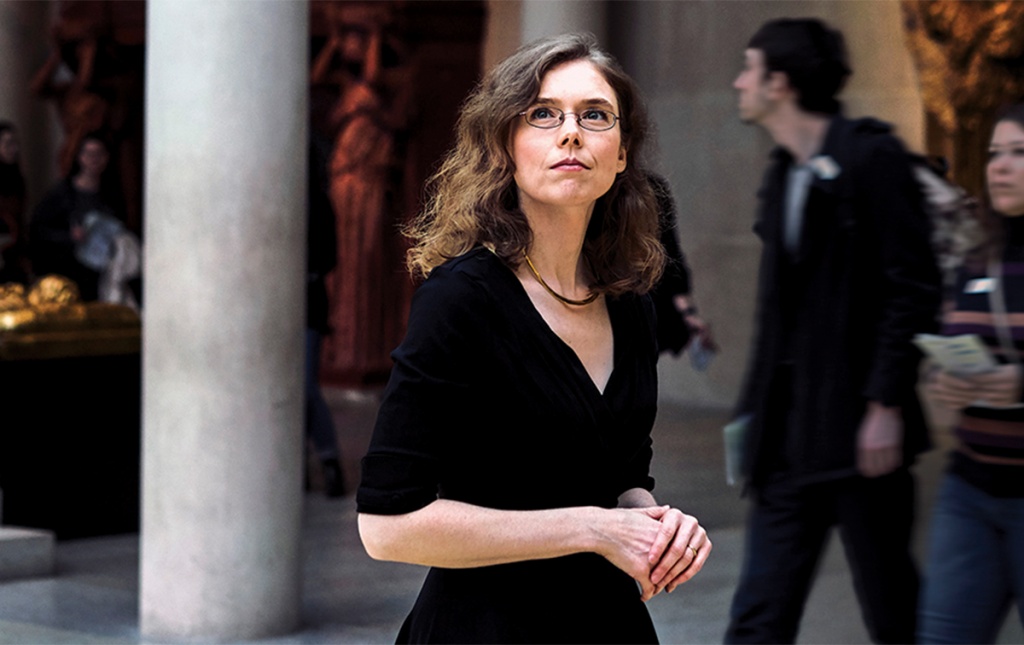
<point>319,423</point>
<point>787,532</point>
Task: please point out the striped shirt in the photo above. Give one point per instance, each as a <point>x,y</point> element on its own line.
<point>990,454</point>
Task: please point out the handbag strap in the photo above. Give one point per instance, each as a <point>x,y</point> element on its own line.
<point>997,304</point>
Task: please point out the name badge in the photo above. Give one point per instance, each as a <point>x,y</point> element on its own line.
<point>980,285</point>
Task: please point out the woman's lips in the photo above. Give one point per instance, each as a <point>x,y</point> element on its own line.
<point>570,164</point>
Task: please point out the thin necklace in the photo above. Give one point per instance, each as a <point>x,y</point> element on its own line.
<point>569,301</point>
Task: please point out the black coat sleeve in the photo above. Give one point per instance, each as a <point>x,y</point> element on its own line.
<point>51,247</point>
<point>672,331</point>
<point>910,289</point>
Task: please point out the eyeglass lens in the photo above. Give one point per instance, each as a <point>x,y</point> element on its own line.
<point>590,119</point>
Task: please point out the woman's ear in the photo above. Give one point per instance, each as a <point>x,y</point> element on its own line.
<point>622,159</point>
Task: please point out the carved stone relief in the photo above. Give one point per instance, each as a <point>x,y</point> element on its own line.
<point>970,60</point>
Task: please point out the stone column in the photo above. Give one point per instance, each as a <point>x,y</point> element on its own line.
<point>546,18</point>
<point>24,45</point>
<point>226,115</point>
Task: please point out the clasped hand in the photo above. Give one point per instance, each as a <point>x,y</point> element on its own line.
<point>659,546</point>
<point>999,387</point>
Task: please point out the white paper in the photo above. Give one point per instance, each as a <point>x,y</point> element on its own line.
<point>965,354</point>
<point>734,435</point>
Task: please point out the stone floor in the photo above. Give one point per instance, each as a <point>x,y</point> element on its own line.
<point>348,598</point>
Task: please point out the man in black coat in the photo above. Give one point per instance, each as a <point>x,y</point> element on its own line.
<point>847,278</point>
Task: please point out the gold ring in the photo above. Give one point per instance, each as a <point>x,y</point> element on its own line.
<point>692,549</point>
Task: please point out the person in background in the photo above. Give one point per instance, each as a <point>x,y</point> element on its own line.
<point>512,448</point>
<point>975,566</point>
<point>680,325</point>
<point>12,206</point>
<point>321,258</point>
<point>59,225</point>
<point>847,278</point>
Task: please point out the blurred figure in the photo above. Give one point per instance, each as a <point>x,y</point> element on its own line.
<point>975,568</point>
<point>75,227</point>
<point>680,325</point>
<point>321,258</point>
<point>94,78</point>
<point>847,278</point>
<point>12,206</point>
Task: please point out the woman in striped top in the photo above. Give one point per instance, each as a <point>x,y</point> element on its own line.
<point>976,556</point>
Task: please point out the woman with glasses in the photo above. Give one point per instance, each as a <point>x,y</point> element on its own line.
<point>512,446</point>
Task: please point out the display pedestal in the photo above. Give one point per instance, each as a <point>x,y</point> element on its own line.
<point>70,421</point>
<point>69,444</point>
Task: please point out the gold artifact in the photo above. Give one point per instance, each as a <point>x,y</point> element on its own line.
<point>49,321</point>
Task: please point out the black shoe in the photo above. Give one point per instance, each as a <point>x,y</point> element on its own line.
<point>334,479</point>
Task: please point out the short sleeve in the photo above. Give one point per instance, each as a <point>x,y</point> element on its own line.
<point>636,421</point>
<point>430,384</point>
<point>638,468</point>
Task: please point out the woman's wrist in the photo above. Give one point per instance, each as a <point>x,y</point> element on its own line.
<point>593,536</point>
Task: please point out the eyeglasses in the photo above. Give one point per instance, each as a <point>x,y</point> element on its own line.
<point>593,119</point>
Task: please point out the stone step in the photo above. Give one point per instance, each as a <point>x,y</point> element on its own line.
<point>26,553</point>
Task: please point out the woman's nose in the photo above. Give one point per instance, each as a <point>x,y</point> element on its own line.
<point>998,164</point>
<point>569,131</point>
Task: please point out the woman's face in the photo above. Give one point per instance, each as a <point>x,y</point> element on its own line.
<point>92,157</point>
<point>567,165</point>
<point>1005,170</point>
<point>9,147</point>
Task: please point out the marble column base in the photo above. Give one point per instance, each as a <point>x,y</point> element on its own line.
<point>26,553</point>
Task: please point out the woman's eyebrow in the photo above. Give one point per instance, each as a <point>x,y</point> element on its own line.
<point>594,101</point>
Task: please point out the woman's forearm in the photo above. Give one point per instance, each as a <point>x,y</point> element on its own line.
<point>634,537</point>
<point>453,534</point>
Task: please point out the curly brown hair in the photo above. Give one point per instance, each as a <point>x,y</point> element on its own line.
<point>473,199</point>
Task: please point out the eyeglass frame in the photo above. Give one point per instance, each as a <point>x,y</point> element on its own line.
<point>562,114</point>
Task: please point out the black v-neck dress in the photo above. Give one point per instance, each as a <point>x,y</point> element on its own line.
<point>488,406</point>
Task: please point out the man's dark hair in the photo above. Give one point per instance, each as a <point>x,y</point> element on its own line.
<point>811,54</point>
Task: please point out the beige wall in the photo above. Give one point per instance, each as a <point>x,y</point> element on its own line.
<point>503,31</point>
<point>684,55</point>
